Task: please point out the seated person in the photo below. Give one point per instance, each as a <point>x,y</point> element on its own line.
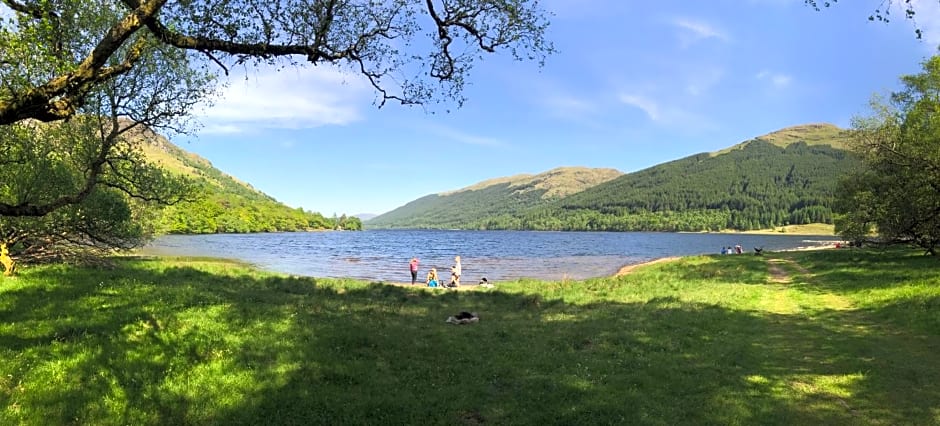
<point>432,278</point>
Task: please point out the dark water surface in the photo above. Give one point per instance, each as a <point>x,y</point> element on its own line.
<point>498,255</point>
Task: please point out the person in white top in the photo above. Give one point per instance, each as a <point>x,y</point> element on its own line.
<point>457,270</point>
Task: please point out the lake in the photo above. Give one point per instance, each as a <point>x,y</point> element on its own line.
<point>383,255</point>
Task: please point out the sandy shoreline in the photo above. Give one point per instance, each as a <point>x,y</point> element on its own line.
<point>626,269</point>
<point>424,285</point>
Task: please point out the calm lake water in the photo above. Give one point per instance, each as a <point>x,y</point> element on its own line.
<point>383,255</point>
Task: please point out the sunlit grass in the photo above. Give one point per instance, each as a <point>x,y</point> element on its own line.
<point>850,338</point>
<point>807,229</point>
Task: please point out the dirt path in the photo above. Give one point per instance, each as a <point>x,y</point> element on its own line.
<point>778,270</point>
<point>779,273</point>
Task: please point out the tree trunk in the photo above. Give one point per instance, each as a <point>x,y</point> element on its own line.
<point>9,265</point>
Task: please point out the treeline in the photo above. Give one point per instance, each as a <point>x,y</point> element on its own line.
<point>222,213</point>
<point>668,221</point>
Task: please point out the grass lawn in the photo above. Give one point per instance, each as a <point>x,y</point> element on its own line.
<point>802,338</point>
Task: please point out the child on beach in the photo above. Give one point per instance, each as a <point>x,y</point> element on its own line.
<point>456,271</point>
<point>413,265</point>
<point>432,278</point>
<point>454,280</point>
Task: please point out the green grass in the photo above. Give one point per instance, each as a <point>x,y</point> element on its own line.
<point>850,338</point>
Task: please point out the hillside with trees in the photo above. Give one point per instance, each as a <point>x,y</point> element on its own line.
<point>491,198</point>
<point>224,204</point>
<point>786,177</point>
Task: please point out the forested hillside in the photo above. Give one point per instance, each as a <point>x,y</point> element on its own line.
<point>502,196</point>
<point>225,204</point>
<point>783,178</point>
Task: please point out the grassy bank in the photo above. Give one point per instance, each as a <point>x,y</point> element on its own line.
<point>808,229</point>
<point>827,337</point>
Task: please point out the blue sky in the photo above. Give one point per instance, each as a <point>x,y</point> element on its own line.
<point>634,84</point>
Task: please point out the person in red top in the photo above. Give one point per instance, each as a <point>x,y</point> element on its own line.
<point>414,270</point>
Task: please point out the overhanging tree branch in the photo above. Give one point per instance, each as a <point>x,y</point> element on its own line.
<point>358,33</point>
<point>63,95</point>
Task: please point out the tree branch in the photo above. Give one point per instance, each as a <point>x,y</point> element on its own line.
<point>63,95</point>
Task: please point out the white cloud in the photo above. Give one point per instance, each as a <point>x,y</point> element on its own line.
<point>778,80</point>
<point>667,113</point>
<point>566,106</point>
<point>290,98</point>
<point>692,31</point>
<point>650,107</point>
<point>221,129</point>
<point>455,135</point>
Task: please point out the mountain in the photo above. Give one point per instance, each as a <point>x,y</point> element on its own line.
<point>785,177</point>
<point>227,205</point>
<point>508,195</point>
<point>365,216</point>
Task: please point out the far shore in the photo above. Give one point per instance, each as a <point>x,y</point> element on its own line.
<point>820,229</point>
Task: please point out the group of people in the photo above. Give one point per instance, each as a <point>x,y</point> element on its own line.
<point>433,280</point>
<point>732,250</point>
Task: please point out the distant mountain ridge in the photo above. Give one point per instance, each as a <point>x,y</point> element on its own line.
<point>810,134</point>
<point>492,197</point>
<point>785,177</point>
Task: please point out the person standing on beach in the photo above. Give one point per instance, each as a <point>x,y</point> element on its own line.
<point>413,265</point>
<point>457,271</point>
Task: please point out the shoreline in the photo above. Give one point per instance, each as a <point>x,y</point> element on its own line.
<point>626,269</point>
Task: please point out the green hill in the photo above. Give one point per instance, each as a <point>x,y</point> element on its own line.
<point>495,197</point>
<point>782,178</point>
<point>227,205</point>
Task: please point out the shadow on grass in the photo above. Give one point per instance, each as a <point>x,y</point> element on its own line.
<point>183,346</point>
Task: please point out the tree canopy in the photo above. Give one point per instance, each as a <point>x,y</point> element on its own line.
<point>897,193</point>
<point>80,185</point>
